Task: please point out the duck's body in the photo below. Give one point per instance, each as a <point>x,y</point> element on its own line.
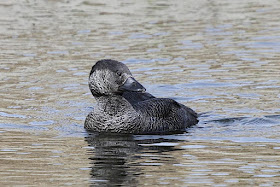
<point>126,108</point>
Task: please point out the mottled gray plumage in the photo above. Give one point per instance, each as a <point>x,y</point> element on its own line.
<point>123,106</point>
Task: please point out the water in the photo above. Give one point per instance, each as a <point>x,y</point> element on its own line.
<point>219,58</point>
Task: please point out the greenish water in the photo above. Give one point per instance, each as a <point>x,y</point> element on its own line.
<point>220,58</point>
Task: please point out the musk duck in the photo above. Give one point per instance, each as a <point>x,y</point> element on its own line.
<point>124,106</point>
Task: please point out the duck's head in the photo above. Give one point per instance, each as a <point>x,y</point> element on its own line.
<point>108,77</point>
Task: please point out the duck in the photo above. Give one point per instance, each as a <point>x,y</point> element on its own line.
<point>123,105</point>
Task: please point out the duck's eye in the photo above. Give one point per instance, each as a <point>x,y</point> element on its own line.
<point>118,73</point>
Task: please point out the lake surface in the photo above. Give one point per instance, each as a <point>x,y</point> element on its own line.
<point>221,58</point>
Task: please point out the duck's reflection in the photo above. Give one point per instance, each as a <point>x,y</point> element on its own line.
<point>116,159</point>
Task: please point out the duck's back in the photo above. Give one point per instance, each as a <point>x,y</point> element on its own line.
<point>161,114</point>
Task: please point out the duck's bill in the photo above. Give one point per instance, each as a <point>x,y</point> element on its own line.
<point>132,85</point>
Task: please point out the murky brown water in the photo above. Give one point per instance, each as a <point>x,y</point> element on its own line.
<point>221,58</point>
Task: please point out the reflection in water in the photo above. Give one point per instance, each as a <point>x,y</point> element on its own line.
<point>115,157</point>
<point>183,159</point>
<point>110,159</point>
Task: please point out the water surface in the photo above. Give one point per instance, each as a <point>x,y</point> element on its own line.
<point>219,58</point>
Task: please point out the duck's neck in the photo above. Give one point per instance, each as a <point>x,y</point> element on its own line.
<point>112,104</point>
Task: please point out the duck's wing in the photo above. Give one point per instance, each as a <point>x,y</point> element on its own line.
<point>189,111</point>
<point>167,109</point>
<point>165,115</point>
<point>159,107</point>
<point>136,97</point>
